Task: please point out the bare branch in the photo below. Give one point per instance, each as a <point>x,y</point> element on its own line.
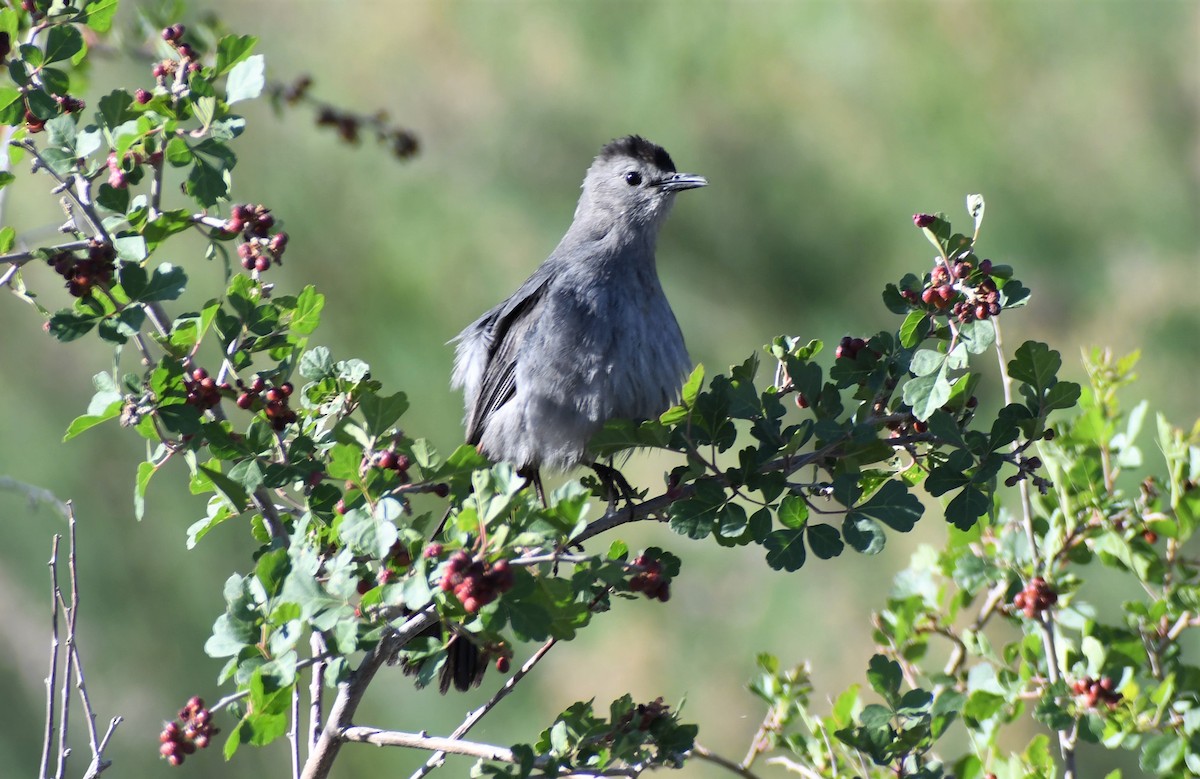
<point>52,675</point>
<point>350,694</point>
<point>438,758</point>
<point>704,754</point>
<point>395,738</point>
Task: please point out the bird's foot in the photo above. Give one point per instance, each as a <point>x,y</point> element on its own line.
<point>534,478</point>
<point>614,486</point>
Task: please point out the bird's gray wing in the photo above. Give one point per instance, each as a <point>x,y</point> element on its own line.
<point>504,330</point>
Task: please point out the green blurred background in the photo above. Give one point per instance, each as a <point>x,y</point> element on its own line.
<point>822,126</point>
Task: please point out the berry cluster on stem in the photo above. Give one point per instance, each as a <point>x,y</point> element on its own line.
<point>476,583</point>
<point>1092,691</point>
<point>85,273</point>
<point>274,401</point>
<point>259,248</point>
<point>649,580</point>
<point>203,392</point>
<point>193,730</point>
<point>1037,596</point>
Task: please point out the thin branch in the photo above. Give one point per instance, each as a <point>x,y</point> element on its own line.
<point>293,734</point>
<point>438,758</point>
<point>395,738</point>
<point>52,675</point>
<point>1045,621</point>
<point>72,644</point>
<point>704,754</point>
<point>316,688</point>
<point>959,655</point>
<point>22,257</point>
<point>794,767</point>
<point>350,694</point>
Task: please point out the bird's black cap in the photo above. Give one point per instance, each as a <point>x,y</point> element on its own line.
<point>638,148</point>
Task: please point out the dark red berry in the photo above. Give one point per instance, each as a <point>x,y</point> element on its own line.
<point>441,489</point>
<point>142,96</point>
<point>924,220</point>
<point>502,664</point>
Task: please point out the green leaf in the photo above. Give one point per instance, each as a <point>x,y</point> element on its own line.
<point>381,412</point>
<point>316,363</point>
<point>307,315</point>
<point>63,42</point>
<point>978,335</point>
<point>1162,753</point>
<point>885,677</point>
<point>863,534</point>
<point>825,541</point>
<point>967,507</point>
<point>8,234</point>
<point>785,549</point>
<point>893,505</point>
<point>1036,364</point>
<point>68,325</point>
<point>793,512</point>
<point>233,49</point>
<point>12,106</point>
<point>87,422</point>
<point>914,329</point>
<point>926,394</point>
<point>927,361</point>
<point>229,489</point>
<point>98,14</point>
<point>167,283</point>
<point>1064,394</point>
<point>246,79</point>
<point>144,472</point>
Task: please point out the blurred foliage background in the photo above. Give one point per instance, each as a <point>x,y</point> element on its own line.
<point>822,126</point>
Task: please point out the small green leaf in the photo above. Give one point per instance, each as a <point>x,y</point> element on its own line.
<point>893,505</point>
<point>793,511</point>
<point>63,42</point>
<point>233,49</point>
<point>926,394</point>
<point>87,422</point>
<point>914,329</point>
<point>884,676</point>
<point>8,234</point>
<point>167,283</point>
<point>68,325</point>
<point>98,14</point>
<point>246,79</point>
<point>863,534</point>
<point>144,472</point>
<point>825,541</point>
<point>308,311</point>
<point>1036,364</point>
<point>785,549</point>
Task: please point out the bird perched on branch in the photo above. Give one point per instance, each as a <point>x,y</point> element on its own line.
<point>590,335</point>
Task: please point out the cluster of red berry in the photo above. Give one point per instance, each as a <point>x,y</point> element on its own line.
<point>951,289</point>
<point>84,273</point>
<point>203,392</point>
<point>118,176</point>
<point>195,732</point>
<point>391,460</point>
<point>173,35</point>
<point>1092,691</point>
<point>66,104</point>
<point>259,249</point>
<point>1036,597</point>
<point>649,580</point>
<point>273,399</point>
<point>849,347</point>
<point>476,583</point>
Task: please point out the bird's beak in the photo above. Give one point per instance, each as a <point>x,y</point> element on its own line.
<point>680,181</point>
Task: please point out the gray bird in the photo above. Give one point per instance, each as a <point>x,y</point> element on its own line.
<point>590,335</point>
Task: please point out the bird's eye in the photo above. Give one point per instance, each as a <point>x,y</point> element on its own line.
<point>633,178</point>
